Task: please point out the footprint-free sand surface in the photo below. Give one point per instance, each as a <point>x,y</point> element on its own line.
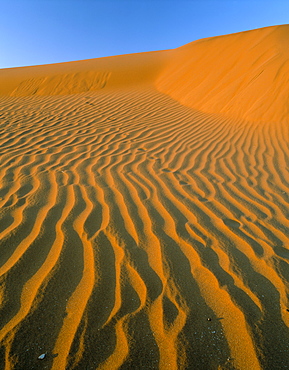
<point>144,209</point>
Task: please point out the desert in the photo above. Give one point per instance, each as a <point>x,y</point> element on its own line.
<point>144,209</point>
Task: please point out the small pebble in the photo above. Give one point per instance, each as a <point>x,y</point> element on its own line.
<point>209,319</point>
<point>42,357</point>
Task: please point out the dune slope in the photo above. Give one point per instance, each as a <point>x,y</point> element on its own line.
<point>140,226</point>
<point>243,75</point>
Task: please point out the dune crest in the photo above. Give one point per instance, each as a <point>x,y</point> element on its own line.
<point>123,71</point>
<point>144,210</point>
<point>243,75</point>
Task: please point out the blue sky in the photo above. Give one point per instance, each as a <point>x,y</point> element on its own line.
<point>51,31</point>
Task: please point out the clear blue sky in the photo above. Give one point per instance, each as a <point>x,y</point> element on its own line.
<point>50,31</point>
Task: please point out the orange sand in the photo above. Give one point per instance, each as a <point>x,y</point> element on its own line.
<point>144,209</point>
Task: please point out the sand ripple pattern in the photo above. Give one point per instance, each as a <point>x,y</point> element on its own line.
<point>136,233</point>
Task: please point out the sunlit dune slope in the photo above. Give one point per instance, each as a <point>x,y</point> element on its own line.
<point>144,210</point>
<point>243,75</point>
<point>82,76</point>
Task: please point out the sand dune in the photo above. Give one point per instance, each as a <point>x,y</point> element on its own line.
<point>243,75</point>
<point>144,209</point>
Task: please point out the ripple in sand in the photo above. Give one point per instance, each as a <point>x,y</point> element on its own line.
<point>231,223</point>
<point>282,252</point>
<point>203,200</point>
<point>167,170</point>
<point>183,183</point>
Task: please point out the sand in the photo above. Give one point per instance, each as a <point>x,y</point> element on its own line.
<point>144,209</point>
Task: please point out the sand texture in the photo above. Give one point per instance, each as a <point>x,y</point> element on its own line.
<point>144,209</point>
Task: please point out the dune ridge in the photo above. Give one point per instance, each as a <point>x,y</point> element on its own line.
<point>138,231</point>
<point>243,75</point>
